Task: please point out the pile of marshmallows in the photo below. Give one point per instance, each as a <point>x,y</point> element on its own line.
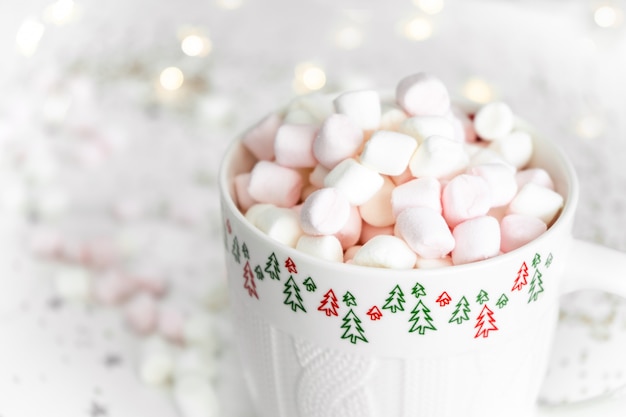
<point>412,182</point>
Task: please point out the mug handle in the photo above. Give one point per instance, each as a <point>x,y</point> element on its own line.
<point>592,267</point>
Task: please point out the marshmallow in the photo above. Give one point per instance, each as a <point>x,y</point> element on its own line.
<point>388,152</point>
<point>501,181</point>
<point>260,138</point>
<point>193,360</point>
<point>476,239</point>
<point>385,252</point>
<point>293,145</point>
<point>463,125</point>
<point>324,212</point>
<point>406,176</point>
<point>438,157</point>
<point>322,247</point>
<point>316,177</point>
<point>309,108</point>
<point>516,148</point>
<point>419,192</point>
<point>368,232</point>
<point>516,230</point>
<point>348,255</point>
<point>535,200</point>
<point>421,127</point>
<point>431,263</point>
<point>141,313</point>
<point>199,330</point>
<point>275,184</point>
<point>494,121</point>
<point>338,138</point>
<point>113,288</point>
<point>377,210</point>
<point>243,198</point>
<point>280,223</point>
<point>195,397</point>
<point>537,176</point>
<point>423,95</point>
<point>350,233</point>
<point>253,212</point>
<point>425,231</point>
<point>73,283</point>
<point>357,182</point>
<point>465,197</point>
<point>170,325</point>
<point>156,362</point>
<point>391,117</point>
<point>362,106</point>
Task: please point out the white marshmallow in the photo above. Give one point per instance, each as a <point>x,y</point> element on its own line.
<point>423,95</point>
<point>463,125</point>
<point>535,200</point>
<point>338,138</point>
<point>281,224</point>
<point>494,121</point>
<point>537,176</point>
<point>438,157</point>
<point>322,247</point>
<point>516,148</point>
<point>275,184</point>
<point>391,117</point>
<point>253,212</point>
<point>501,181</point>
<point>480,155</point>
<point>316,177</point>
<point>516,230</point>
<point>431,263</point>
<point>385,252</point>
<point>316,106</point>
<point>421,127</point>
<point>476,239</point>
<point>362,106</point>
<point>425,231</point>
<point>324,212</point>
<point>377,210</point>
<point>465,197</point>
<point>195,397</point>
<point>293,145</point>
<point>419,192</point>
<point>260,138</point>
<point>156,363</point>
<point>193,360</point>
<point>357,182</point>
<point>388,152</point>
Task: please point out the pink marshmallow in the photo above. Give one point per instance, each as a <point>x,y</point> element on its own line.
<point>338,138</point>
<point>537,176</point>
<point>275,184</point>
<point>463,125</point>
<point>170,325</point>
<point>423,95</point>
<point>293,145</point>
<point>377,210</point>
<point>325,212</point>
<point>368,232</point>
<point>516,230</point>
<point>351,232</point>
<point>501,181</point>
<point>465,197</point>
<point>419,192</point>
<point>476,239</point>
<point>348,255</point>
<point>425,231</point>
<point>260,138</point>
<point>142,313</point>
<point>113,288</point>
<point>244,200</point>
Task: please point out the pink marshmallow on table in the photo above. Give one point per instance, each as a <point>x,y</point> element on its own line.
<point>439,157</point>
<point>419,192</point>
<point>501,181</point>
<point>356,181</point>
<point>422,94</point>
<point>425,231</point>
<point>537,176</point>
<point>362,106</point>
<point>141,313</point>
<point>322,247</point>
<point>465,197</point>
<point>338,138</point>
<point>475,240</point>
<point>421,127</point>
<point>516,230</point>
<point>113,288</point>
<point>388,152</point>
<point>260,138</point>
<point>324,212</point>
<point>494,121</point>
<point>170,325</point>
<point>516,148</point>
<point>275,184</point>
<point>385,251</point>
<point>535,200</point>
<point>243,198</point>
<point>377,210</point>
<point>351,232</point>
<point>368,232</point>
<point>293,145</point>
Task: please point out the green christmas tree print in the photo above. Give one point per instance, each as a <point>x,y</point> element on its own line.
<point>536,286</point>
<point>235,250</point>
<point>349,299</point>
<point>309,284</point>
<point>502,301</point>
<point>421,319</point>
<point>259,273</point>
<point>418,290</point>
<point>292,295</point>
<point>272,267</point>
<point>353,329</point>
<point>536,260</point>
<point>395,301</point>
<point>249,283</point>
<point>244,250</point>
<point>549,260</point>
<point>482,297</point>
<point>461,311</point>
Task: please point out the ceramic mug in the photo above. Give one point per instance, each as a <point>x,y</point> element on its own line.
<point>322,339</point>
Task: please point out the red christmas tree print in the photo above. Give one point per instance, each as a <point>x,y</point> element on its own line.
<point>291,266</point>
<point>485,322</point>
<point>249,283</point>
<point>444,299</point>
<point>521,280</point>
<point>329,304</point>
<point>374,313</point>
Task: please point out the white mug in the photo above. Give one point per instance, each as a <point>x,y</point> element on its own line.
<point>324,339</point>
